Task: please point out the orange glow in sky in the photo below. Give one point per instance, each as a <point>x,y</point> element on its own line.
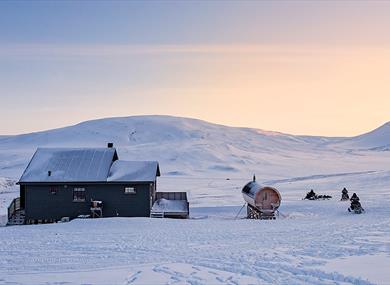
<point>299,67</point>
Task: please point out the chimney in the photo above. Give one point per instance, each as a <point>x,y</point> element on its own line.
<point>110,145</point>
<point>49,173</point>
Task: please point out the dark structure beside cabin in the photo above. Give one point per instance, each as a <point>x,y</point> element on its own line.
<point>63,182</point>
<point>171,205</point>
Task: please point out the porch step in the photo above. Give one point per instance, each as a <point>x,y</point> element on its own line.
<point>157,215</point>
<point>12,222</point>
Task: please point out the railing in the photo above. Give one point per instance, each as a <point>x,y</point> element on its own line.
<point>13,207</point>
<point>172,195</point>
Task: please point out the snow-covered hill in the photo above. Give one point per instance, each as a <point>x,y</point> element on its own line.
<point>193,147</point>
<point>378,139</point>
<point>136,130</point>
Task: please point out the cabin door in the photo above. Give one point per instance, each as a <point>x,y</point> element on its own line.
<point>152,195</point>
<point>22,196</point>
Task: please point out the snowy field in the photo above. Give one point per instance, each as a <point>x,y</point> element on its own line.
<point>312,242</point>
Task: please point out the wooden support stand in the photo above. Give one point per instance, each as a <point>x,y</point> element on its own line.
<point>253,213</point>
<point>97,212</point>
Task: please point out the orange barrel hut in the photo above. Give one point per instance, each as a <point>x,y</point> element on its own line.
<point>263,201</point>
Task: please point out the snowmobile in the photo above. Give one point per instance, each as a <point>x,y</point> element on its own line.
<point>356,206</point>
<point>313,196</point>
<point>324,197</point>
<point>344,195</point>
<point>357,209</point>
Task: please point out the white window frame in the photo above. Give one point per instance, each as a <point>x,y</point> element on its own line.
<point>53,190</point>
<point>78,189</point>
<point>130,190</point>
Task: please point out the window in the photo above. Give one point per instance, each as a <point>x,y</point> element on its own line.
<point>53,190</point>
<point>130,190</point>
<point>78,194</point>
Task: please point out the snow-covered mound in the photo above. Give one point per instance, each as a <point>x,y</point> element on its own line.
<point>6,184</point>
<point>8,191</point>
<point>164,205</point>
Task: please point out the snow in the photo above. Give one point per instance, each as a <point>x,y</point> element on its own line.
<point>377,272</point>
<point>86,164</point>
<point>377,139</point>
<point>8,191</point>
<point>140,171</point>
<point>69,164</point>
<point>294,249</point>
<point>312,242</point>
<point>169,206</point>
<point>194,147</point>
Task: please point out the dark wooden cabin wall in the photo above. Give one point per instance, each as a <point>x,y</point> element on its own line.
<point>41,204</point>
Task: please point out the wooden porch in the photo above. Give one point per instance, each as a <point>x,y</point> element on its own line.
<point>170,205</point>
<point>16,214</point>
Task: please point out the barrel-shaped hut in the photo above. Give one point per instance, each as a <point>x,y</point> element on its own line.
<point>262,201</point>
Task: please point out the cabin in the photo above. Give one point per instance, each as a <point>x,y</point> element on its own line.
<point>65,183</point>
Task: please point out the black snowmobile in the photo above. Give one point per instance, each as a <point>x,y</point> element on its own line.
<point>313,196</point>
<point>324,197</point>
<point>356,206</point>
<point>344,195</point>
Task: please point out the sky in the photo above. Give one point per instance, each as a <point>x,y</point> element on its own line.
<point>299,67</point>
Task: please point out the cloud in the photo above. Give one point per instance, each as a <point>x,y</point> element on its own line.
<point>117,50</point>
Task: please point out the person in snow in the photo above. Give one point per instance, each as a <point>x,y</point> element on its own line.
<point>311,195</point>
<point>344,194</point>
<point>355,204</point>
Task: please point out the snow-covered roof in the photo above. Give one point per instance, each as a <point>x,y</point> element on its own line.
<point>86,165</point>
<point>137,171</point>
<point>69,165</point>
